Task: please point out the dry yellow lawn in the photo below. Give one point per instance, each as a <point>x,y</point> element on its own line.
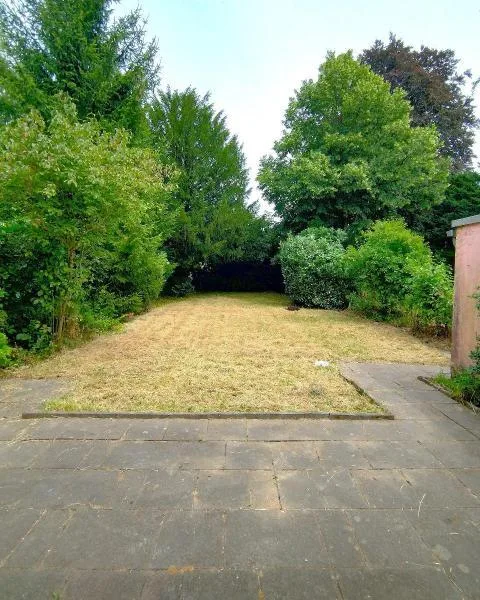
<point>228,352</point>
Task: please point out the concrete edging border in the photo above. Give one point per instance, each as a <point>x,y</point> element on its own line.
<point>211,415</point>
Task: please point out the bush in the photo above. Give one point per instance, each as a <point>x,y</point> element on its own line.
<point>428,304</point>
<point>312,268</point>
<point>5,351</point>
<point>396,279</point>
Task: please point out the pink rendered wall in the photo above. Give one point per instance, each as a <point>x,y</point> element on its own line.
<point>466,322</point>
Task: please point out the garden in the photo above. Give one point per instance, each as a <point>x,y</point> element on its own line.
<point>134,264</point>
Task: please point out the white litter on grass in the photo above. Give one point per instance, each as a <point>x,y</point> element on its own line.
<point>322,363</point>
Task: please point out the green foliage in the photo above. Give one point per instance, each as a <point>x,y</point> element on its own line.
<point>52,46</point>
<point>349,153</point>
<point>78,208</point>
<point>429,302</point>
<point>312,267</point>
<point>435,90</point>
<point>214,224</point>
<point>462,200</point>
<point>464,385</point>
<point>395,278</point>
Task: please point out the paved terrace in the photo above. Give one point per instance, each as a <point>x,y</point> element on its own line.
<point>244,509</point>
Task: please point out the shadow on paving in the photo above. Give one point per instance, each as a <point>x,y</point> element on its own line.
<point>246,509</point>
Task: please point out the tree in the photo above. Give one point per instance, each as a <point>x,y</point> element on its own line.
<point>348,154</point>
<point>70,194</point>
<point>435,89</point>
<point>462,199</point>
<point>213,181</point>
<point>51,46</point>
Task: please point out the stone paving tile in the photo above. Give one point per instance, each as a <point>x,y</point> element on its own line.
<point>134,539</point>
<point>146,429</point>
<point>422,583</point>
<point>63,454</point>
<point>319,488</point>
<point>186,429</point>
<point>340,538</point>
<point>463,416</point>
<point>393,455</point>
<point>453,537</point>
<point>22,454</point>
<point>422,411</point>
<point>10,429</point>
<point>14,524</point>
<point>172,490</point>
<point>298,584</point>
<point>294,455</point>
<point>235,490</point>
<point>105,585</point>
<point>456,454</point>
<point>226,429</point>
<point>342,455</point>
<point>78,429</point>
<point>249,455</point>
<point>228,584</point>
<point>166,455</point>
<point>408,489</point>
<point>38,585</point>
<point>470,478</point>
<point>269,430</point>
<point>273,539</point>
<point>388,539</point>
<point>58,489</point>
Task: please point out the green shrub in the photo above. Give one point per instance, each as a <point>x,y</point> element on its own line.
<point>428,304</point>
<point>396,279</point>
<point>5,351</point>
<point>312,268</point>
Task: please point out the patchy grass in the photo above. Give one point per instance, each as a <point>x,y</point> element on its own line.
<point>228,352</point>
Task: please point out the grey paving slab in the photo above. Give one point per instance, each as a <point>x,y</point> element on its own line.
<point>226,429</point>
<point>235,490</point>
<point>172,490</point>
<point>294,455</point>
<point>319,488</point>
<point>134,539</point>
<point>419,583</point>
<point>58,489</point>
<point>166,455</point>
<point>453,537</point>
<point>273,538</point>
<point>45,584</point>
<point>470,478</point>
<point>78,429</point>
<point>299,584</point>
<point>11,429</point>
<point>456,454</point>
<point>249,455</point>
<point>105,585</point>
<point>231,584</point>
<point>186,429</point>
<point>392,455</point>
<point>388,539</point>
<point>146,429</point>
<point>243,508</point>
<point>15,524</point>
<point>335,454</point>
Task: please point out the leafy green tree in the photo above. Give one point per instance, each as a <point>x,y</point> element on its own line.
<point>213,181</point>
<point>68,194</point>
<point>434,88</point>
<point>348,153</point>
<point>51,46</point>
<point>462,199</point>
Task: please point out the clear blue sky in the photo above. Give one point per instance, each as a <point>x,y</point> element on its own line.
<point>252,54</point>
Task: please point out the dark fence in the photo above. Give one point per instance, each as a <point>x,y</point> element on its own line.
<point>240,277</point>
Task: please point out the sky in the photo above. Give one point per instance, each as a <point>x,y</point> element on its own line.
<point>251,55</point>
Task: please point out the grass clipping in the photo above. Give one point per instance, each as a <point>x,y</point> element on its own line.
<point>228,352</point>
